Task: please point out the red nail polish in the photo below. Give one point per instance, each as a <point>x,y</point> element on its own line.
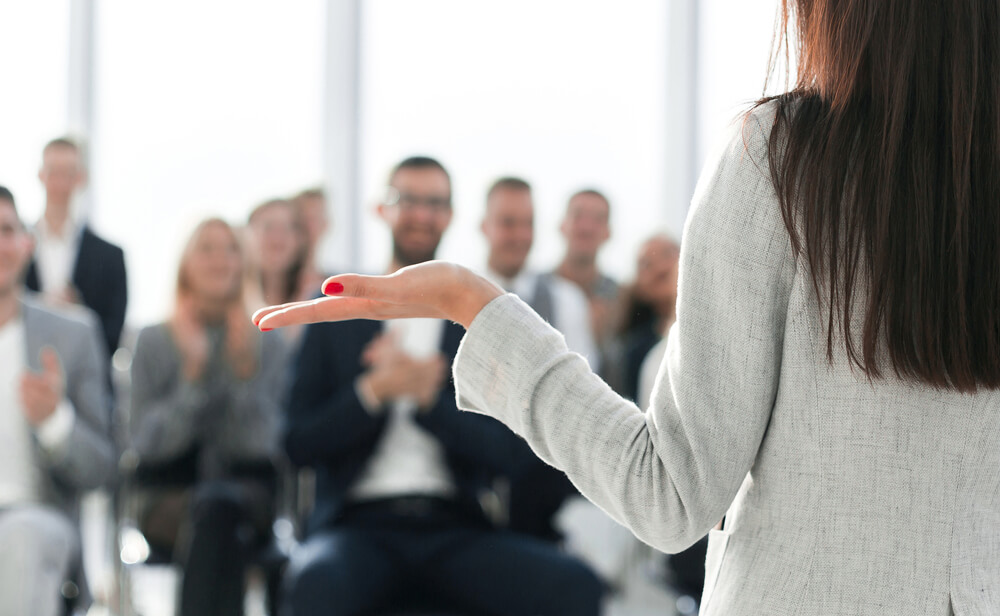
<point>266,329</point>
<point>332,288</point>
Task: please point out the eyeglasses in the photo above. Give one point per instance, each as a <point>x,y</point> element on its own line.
<point>408,201</point>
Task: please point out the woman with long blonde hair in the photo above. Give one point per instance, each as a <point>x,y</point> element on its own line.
<point>205,413</point>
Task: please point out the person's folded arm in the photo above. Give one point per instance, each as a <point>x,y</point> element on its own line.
<point>669,474</point>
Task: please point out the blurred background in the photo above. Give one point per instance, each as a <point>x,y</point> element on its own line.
<point>197,108</point>
<point>193,108</point>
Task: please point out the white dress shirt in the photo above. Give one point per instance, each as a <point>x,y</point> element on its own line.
<point>570,307</point>
<point>55,255</point>
<point>407,459</point>
<point>20,477</point>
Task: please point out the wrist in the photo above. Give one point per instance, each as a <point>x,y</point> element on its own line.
<point>474,293</point>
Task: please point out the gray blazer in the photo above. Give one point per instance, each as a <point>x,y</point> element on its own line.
<point>231,420</point>
<point>87,460</point>
<point>841,496</point>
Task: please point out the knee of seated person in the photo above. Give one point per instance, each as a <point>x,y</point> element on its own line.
<point>37,528</point>
<point>215,503</point>
<point>315,573</point>
<point>574,589</point>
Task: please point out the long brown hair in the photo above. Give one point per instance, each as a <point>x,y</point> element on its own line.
<point>886,161</point>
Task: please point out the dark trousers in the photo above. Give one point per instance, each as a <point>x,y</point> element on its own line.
<point>404,553</point>
<point>217,529</point>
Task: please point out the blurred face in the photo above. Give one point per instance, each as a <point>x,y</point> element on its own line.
<point>277,237</point>
<point>586,225</point>
<point>61,173</point>
<point>15,247</point>
<point>213,265</point>
<point>656,275</point>
<point>509,230</point>
<point>313,218</point>
<point>418,213</point>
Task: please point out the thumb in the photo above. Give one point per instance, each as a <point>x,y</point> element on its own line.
<point>51,365</point>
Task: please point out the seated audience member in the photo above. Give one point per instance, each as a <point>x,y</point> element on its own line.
<point>538,491</point>
<point>311,207</point>
<point>276,255</point>
<point>205,416</point>
<point>400,471</point>
<point>71,263</point>
<point>54,434</point>
<point>654,295</point>
<point>509,229</point>
<point>586,228</point>
<point>648,310</point>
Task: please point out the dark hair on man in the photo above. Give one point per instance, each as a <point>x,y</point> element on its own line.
<point>508,183</point>
<point>310,193</point>
<point>62,142</point>
<point>418,162</point>
<point>884,158</point>
<point>6,195</point>
<point>68,143</point>
<point>593,192</point>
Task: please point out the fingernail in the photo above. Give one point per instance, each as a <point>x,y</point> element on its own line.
<point>332,288</point>
<point>266,329</point>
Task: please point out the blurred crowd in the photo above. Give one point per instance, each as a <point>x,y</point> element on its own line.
<point>401,504</point>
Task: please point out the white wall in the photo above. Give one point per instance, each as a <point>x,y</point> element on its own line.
<point>567,94</point>
<point>207,108</point>
<point>34,54</point>
<point>202,109</point>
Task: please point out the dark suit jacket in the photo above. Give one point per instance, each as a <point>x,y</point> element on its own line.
<point>328,428</point>
<point>99,277</point>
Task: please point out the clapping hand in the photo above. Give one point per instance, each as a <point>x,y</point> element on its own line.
<point>393,373</point>
<point>41,392</point>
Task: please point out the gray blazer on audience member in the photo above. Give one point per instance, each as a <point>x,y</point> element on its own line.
<point>841,496</point>
<point>87,460</point>
<point>228,419</point>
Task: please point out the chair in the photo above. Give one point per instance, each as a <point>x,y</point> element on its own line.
<point>269,558</point>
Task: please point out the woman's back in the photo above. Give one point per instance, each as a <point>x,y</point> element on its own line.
<point>865,497</point>
<point>841,495</point>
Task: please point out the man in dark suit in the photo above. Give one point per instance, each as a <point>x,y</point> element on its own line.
<point>71,263</point>
<point>401,473</point>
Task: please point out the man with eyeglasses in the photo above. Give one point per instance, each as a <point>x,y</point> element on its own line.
<point>402,474</point>
<point>54,438</point>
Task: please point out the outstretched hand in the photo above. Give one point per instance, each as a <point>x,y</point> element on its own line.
<point>436,289</point>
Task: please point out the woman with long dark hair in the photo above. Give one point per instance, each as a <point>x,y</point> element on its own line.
<point>832,381</point>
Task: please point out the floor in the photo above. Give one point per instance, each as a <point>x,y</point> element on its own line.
<point>152,588</point>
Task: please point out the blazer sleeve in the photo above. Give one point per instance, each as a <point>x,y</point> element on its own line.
<point>325,420</point>
<point>481,442</point>
<point>670,473</point>
<point>86,460</point>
